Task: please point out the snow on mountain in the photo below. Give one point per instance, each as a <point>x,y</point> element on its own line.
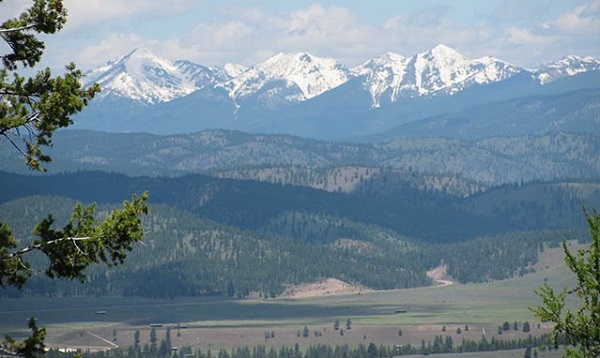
<point>233,70</point>
<point>314,75</point>
<point>149,79</point>
<point>383,74</point>
<point>141,76</point>
<point>295,77</point>
<point>309,74</point>
<point>439,70</point>
<point>566,66</point>
<point>201,76</point>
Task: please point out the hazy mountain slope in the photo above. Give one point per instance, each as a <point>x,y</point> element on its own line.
<point>360,180</point>
<point>489,162</point>
<point>575,112</point>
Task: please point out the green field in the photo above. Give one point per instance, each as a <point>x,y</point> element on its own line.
<point>214,323</point>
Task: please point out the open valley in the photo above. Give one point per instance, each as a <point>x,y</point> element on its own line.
<point>476,310</point>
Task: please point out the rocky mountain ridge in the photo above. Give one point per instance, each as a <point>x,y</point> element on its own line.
<point>144,77</point>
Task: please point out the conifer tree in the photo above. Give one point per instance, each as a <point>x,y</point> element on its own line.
<point>32,109</point>
<point>580,328</point>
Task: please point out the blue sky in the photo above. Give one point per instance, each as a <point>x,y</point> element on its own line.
<point>215,32</point>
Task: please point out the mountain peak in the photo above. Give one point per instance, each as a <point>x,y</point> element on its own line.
<point>139,52</point>
<point>143,77</point>
<point>294,61</point>
<point>143,55</point>
<point>441,70</point>
<point>566,66</point>
<point>444,51</point>
<point>287,56</point>
<point>309,74</point>
<point>389,60</point>
<point>388,57</point>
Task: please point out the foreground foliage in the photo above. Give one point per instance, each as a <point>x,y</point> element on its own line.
<point>83,241</point>
<point>581,327</point>
<point>32,109</point>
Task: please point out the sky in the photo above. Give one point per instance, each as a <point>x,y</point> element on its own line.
<point>215,32</point>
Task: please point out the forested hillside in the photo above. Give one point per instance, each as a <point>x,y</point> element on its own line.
<point>185,255</point>
<point>235,238</point>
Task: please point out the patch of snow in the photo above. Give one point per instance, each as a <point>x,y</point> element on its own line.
<point>439,70</point>
<point>566,66</point>
<point>310,74</point>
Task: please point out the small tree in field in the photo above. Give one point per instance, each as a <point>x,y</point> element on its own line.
<point>581,328</point>
<point>305,332</point>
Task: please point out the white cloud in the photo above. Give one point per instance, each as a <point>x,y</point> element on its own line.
<point>112,46</point>
<point>416,32</point>
<point>515,36</point>
<point>250,34</point>
<point>575,31</point>
<point>86,13</point>
<point>583,19</point>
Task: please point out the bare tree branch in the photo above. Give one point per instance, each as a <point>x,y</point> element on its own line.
<point>27,249</point>
<point>17,29</point>
<point>2,133</point>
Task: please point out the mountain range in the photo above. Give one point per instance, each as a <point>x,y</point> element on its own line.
<point>443,159</point>
<point>306,95</point>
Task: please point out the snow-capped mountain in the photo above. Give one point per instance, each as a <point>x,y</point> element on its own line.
<point>439,70</point>
<point>566,66</point>
<point>295,76</point>
<point>148,79</point>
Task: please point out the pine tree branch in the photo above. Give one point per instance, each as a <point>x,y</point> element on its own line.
<point>39,246</point>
